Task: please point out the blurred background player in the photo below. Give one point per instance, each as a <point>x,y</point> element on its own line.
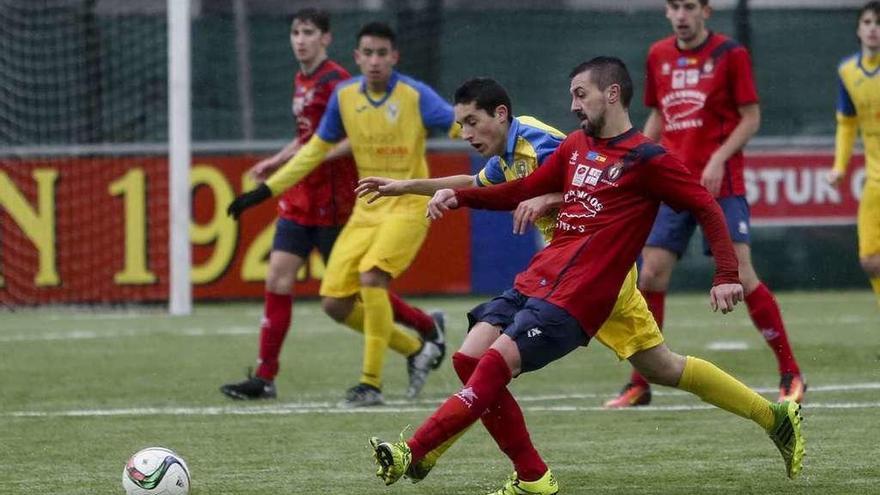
<point>514,146</point>
<point>583,285</point>
<point>312,212</point>
<point>857,102</point>
<point>704,108</point>
<point>386,117</point>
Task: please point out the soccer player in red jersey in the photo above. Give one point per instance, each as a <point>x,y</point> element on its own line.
<point>704,104</point>
<point>312,212</point>
<point>583,285</point>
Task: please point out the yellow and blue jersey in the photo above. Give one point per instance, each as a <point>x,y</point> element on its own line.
<point>387,132</point>
<point>858,107</point>
<point>529,142</point>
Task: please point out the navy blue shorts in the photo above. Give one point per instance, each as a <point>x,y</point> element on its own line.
<point>297,239</point>
<point>672,231</point>
<point>543,332</point>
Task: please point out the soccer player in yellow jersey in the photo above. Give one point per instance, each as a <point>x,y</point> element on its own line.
<point>858,107</point>
<point>386,116</point>
<point>515,147</point>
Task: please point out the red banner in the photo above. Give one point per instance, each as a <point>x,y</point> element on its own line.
<point>96,230</point>
<point>790,189</point>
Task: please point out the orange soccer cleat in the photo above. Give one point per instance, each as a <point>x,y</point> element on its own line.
<point>631,396</point>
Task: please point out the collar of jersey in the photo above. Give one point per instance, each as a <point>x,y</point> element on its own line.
<point>867,72</point>
<point>695,49</point>
<point>512,136</point>
<point>392,81</point>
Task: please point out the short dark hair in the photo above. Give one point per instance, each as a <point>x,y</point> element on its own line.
<point>872,6</point>
<point>485,93</point>
<point>319,18</point>
<point>378,30</point>
<point>703,3</point>
<point>605,71</point>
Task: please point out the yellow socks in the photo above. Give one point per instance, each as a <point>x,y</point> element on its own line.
<point>378,327</point>
<point>716,387</point>
<point>401,341</point>
<point>875,284</point>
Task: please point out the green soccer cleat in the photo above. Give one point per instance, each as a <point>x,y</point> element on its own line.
<point>393,459</point>
<point>786,434</point>
<point>417,471</point>
<point>545,485</point>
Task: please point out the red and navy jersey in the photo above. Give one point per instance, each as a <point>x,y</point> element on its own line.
<point>697,93</point>
<point>325,196</point>
<point>612,189</point>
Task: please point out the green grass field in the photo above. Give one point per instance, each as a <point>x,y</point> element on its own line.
<point>81,391</point>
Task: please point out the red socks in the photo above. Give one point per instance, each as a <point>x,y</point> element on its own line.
<point>411,316</point>
<point>656,304</point>
<point>767,318</point>
<point>482,390</point>
<point>505,422</point>
<point>273,329</point>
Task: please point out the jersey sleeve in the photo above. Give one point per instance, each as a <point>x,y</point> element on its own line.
<point>845,104</point>
<point>436,112</point>
<point>742,79</point>
<point>650,98</point>
<point>331,129</point>
<point>491,173</point>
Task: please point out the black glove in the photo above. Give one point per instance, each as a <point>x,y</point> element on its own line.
<point>248,199</point>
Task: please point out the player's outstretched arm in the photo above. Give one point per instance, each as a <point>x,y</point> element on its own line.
<point>844,140</point>
<point>442,201</point>
<point>380,187</point>
<point>247,200</point>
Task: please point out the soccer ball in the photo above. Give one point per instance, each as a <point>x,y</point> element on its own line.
<point>155,471</point>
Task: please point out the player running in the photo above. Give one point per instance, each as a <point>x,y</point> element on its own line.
<point>857,101</point>
<point>583,285</point>
<point>386,117</point>
<point>704,104</point>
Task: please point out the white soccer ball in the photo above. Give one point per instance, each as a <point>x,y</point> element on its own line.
<point>155,471</point>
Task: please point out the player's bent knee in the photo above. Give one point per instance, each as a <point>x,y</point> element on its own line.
<point>336,308</point>
<point>871,264</point>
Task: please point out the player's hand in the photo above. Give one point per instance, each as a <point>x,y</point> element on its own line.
<point>443,201</point>
<point>378,187</point>
<point>725,297</point>
<point>248,199</point>
<point>263,169</point>
<point>712,176</point>
<point>834,177</point>
<point>530,210</point>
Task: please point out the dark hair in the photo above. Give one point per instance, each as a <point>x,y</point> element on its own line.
<point>319,18</point>
<point>872,6</point>
<point>703,3</point>
<point>378,30</point>
<point>485,93</point>
<point>605,71</point>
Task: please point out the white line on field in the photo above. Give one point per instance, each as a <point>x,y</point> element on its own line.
<point>401,406</point>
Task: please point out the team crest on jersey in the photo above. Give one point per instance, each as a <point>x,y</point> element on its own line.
<point>520,168</point>
<point>708,67</point>
<point>392,111</point>
<point>614,172</point>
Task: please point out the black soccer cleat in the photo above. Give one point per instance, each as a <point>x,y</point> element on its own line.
<point>251,389</point>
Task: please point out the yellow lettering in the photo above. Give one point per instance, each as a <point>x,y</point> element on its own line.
<point>222,230</point>
<point>38,226</point>
<point>133,189</point>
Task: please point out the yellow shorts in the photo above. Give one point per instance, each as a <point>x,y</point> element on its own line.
<point>869,220</point>
<point>390,246</point>
<point>631,327</point>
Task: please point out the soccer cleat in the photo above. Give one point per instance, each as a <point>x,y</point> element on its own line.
<point>418,470</point>
<point>545,485</point>
<point>393,459</point>
<point>439,337</point>
<point>631,396</point>
<point>252,388</point>
<point>786,434</point>
<point>792,387</point>
<point>362,395</point>
<point>419,365</point>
